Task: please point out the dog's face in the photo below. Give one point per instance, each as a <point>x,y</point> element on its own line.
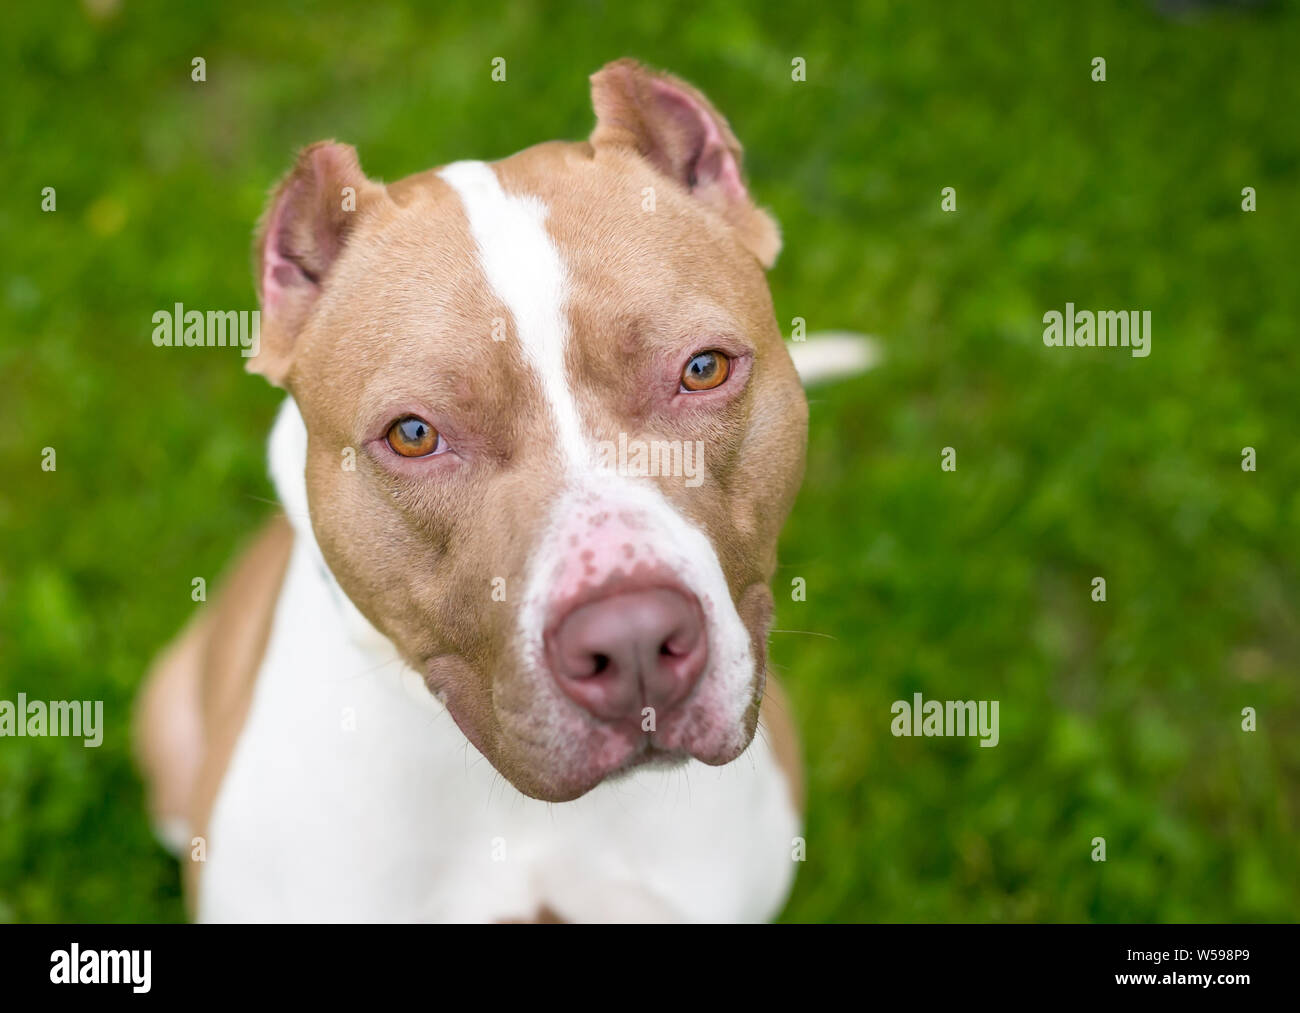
<point>553,428</point>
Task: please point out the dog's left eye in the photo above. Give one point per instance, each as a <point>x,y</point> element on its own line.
<point>411,436</point>
<point>705,371</point>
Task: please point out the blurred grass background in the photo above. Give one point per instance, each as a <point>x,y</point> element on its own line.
<point>1119,720</point>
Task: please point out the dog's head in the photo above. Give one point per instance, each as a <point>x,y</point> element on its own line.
<point>553,428</point>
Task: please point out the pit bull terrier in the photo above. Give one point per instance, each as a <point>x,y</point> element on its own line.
<point>480,670</point>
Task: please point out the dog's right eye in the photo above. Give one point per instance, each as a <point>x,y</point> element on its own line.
<point>411,436</point>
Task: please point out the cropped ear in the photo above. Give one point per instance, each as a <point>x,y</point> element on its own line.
<point>678,131</point>
<point>304,228</point>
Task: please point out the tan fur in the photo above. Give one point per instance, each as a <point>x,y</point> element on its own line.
<point>168,724</point>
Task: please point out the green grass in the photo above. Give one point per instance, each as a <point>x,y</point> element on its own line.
<point>1119,720</point>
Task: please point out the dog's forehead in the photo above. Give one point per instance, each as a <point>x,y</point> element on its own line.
<point>625,236</point>
<point>503,275</point>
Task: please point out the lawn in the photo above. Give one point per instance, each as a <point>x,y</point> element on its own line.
<point>1120,719</point>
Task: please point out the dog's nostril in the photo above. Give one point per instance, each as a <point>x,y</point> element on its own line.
<point>602,663</point>
<point>675,647</point>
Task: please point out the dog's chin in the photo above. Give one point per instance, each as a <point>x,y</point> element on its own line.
<point>540,776</point>
<point>573,785</point>
<point>565,757</point>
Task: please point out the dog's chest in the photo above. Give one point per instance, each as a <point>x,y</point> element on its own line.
<point>352,795</point>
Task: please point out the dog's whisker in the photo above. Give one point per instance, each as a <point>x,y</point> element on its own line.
<point>373,668</point>
<point>299,515</point>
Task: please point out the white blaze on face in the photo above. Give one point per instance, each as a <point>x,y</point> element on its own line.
<point>523,267</point>
<point>608,521</point>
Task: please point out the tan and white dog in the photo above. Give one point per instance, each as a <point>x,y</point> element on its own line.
<point>463,574</point>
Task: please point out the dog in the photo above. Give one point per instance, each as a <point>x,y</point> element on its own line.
<point>504,656</point>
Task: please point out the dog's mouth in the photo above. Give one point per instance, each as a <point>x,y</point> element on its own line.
<point>652,757</point>
<point>611,758</point>
<point>555,752</point>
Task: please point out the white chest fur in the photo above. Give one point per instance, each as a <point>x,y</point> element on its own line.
<point>352,795</point>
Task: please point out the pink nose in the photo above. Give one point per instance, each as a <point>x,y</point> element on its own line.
<point>622,653</point>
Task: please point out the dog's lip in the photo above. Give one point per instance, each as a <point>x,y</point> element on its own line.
<point>643,754</point>
<point>656,756</point>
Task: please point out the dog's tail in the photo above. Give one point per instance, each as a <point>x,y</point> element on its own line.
<point>831,355</point>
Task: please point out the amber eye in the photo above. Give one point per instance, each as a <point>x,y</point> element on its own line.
<point>411,436</point>
<point>705,371</point>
